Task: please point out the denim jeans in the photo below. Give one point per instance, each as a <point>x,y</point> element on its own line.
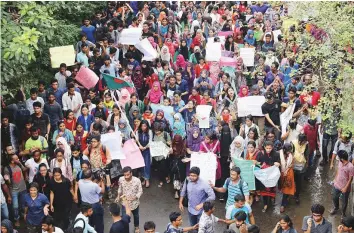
<point>335,198</point>
<point>147,159</point>
<point>96,219</point>
<point>4,211</point>
<point>325,141</point>
<point>135,215</point>
<point>193,219</point>
<point>17,203</point>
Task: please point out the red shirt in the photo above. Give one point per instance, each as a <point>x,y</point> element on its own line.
<point>311,99</point>
<point>311,134</point>
<point>199,68</point>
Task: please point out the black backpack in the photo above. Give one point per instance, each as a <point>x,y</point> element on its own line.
<point>73,229</point>
<point>22,114</point>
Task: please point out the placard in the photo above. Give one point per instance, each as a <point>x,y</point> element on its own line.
<point>246,167</point>
<point>207,164</point>
<point>133,159</point>
<point>227,61</point>
<point>86,77</point>
<point>286,116</point>
<point>113,141</point>
<point>158,149</point>
<point>250,105</point>
<point>146,48</point>
<point>247,55</point>
<point>268,176</point>
<point>130,36</point>
<point>213,51</point>
<point>203,115</point>
<point>62,54</point>
<point>226,34</point>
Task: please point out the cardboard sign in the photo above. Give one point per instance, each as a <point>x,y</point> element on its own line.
<point>87,77</point>
<point>133,159</point>
<point>203,115</point>
<point>146,48</point>
<point>62,54</point>
<point>250,105</point>
<point>130,36</point>
<point>113,141</point>
<point>247,55</point>
<point>207,164</point>
<point>213,51</point>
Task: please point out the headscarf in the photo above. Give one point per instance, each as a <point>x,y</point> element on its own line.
<point>8,225</point>
<point>163,121</point>
<point>248,39</point>
<point>179,126</point>
<point>234,151</point>
<point>152,42</point>
<point>194,143</point>
<point>184,50</point>
<point>196,42</point>
<point>137,77</point>
<point>239,64</point>
<point>67,149</point>
<point>124,97</point>
<point>132,109</point>
<point>180,62</point>
<point>239,41</point>
<point>225,140</point>
<point>155,96</point>
<point>125,130</point>
<point>170,46</point>
<point>165,54</point>
<point>197,54</point>
<point>162,15</point>
<point>151,79</point>
<point>240,94</point>
<point>226,117</point>
<point>178,146</point>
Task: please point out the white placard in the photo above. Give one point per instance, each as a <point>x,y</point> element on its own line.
<point>130,36</point>
<point>158,149</point>
<point>276,33</point>
<point>268,176</point>
<point>113,142</point>
<point>286,116</point>
<point>207,164</point>
<point>146,48</point>
<point>62,54</point>
<point>203,115</point>
<point>213,51</point>
<point>247,55</point>
<point>250,105</point>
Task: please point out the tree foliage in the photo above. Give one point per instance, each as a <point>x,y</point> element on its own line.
<point>326,33</point>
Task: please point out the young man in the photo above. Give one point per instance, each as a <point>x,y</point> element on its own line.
<point>149,227</point>
<point>48,227</point>
<point>240,222</point>
<point>41,120</point>
<point>82,219</point>
<point>35,142</point>
<point>62,75</point>
<point>208,221</point>
<point>9,132</point>
<point>271,110</point>
<point>176,222</point>
<point>33,163</point>
<point>72,100</point>
<point>316,223</point>
<point>233,186</point>
<point>239,205</point>
<point>273,73</point>
<point>83,56</point>
<point>58,92</point>
<point>89,30</point>
<point>130,188</point>
<point>344,143</point>
<point>201,193</point>
<point>342,182</point>
<point>120,221</point>
<point>14,174</point>
<point>34,98</point>
<point>42,92</point>
<point>347,225</point>
<point>55,112</point>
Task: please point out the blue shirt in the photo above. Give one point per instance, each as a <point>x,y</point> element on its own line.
<point>82,58</point>
<point>90,191</point>
<point>183,87</point>
<point>197,192</point>
<point>86,121</point>
<point>58,95</point>
<point>232,210</point>
<point>35,212</point>
<point>270,77</point>
<point>90,32</point>
<point>233,190</point>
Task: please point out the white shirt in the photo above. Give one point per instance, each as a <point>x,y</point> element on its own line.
<point>56,230</point>
<point>62,79</point>
<point>2,181</point>
<point>33,167</point>
<point>80,223</point>
<point>29,103</point>
<point>71,102</point>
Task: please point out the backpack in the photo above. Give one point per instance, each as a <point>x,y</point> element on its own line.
<point>103,153</point>
<point>240,185</point>
<point>73,229</point>
<point>22,114</point>
<point>351,149</point>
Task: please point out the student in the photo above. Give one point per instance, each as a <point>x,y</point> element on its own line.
<point>82,219</point>
<point>207,222</point>
<point>120,221</point>
<point>48,225</point>
<point>176,222</point>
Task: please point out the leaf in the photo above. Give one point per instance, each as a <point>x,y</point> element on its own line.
<point>6,55</point>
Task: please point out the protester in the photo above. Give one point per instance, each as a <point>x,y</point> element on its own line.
<point>284,225</point>
<point>316,222</point>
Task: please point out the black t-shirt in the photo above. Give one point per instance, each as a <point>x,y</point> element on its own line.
<point>274,112</point>
<point>41,122</point>
<point>147,34</point>
<point>62,194</point>
<point>121,226</point>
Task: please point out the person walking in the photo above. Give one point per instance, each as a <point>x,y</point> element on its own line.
<point>130,187</point>
<point>207,222</point>
<point>82,219</point>
<point>120,221</point>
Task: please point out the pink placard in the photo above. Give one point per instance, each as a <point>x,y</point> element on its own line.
<point>133,157</point>
<point>227,61</point>
<point>86,77</point>
<point>225,33</point>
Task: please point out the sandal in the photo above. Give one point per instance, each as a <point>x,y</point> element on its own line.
<point>264,209</point>
<point>160,185</point>
<point>147,184</point>
<point>143,183</point>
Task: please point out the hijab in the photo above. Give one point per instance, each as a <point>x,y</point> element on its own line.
<point>194,143</point>
<point>179,126</point>
<point>155,96</point>
<point>240,94</point>
<point>248,39</point>
<point>124,130</point>
<point>124,97</point>
<point>170,46</point>
<point>152,42</point>
<point>8,225</point>
<point>236,152</point>
<point>178,146</point>
<point>225,140</point>
<point>184,50</point>
<point>180,62</point>
<point>237,40</point>
<point>67,149</point>
<point>137,78</point>
<point>165,54</point>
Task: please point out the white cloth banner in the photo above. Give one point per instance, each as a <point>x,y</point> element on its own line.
<point>268,176</point>
<point>146,48</point>
<point>247,55</point>
<point>158,149</point>
<point>130,36</point>
<point>207,164</point>
<point>213,51</point>
<point>113,142</point>
<point>286,116</point>
<point>203,115</point>
<point>250,105</point>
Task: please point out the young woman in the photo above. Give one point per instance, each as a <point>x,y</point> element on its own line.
<point>237,149</point>
<point>271,137</point>
<point>114,117</point>
<point>160,119</point>
<point>134,101</point>
<point>155,95</point>
<point>251,154</point>
<point>230,101</point>
<point>63,164</point>
<point>85,119</point>
<point>144,135</point>
<point>36,207</point>
<point>148,115</point>
<point>61,143</point>
<point>108,102</point>
<point>252,136</point>
<point>101,109</point>
<point>42,178</point>
<point>285,225</point>
<point>189,75</point>
<point>211,144</point>
<point>268,158</point>
<point>80,136</point>
<point>177,163</point>
<point>287,174</point>
<point>179,126</point>
<point>70,120</point>
<point>76,160</point>
<point>61,197</point>
<point>63,132</point>
<point>124,130</point>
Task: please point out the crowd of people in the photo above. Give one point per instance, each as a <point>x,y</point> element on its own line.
<point>52,155</point>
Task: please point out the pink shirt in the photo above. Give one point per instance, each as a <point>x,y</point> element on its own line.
<point>345,172</point>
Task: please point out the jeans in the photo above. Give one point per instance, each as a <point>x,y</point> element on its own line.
<point>298,178</point>
<point>147,159</point>
<point>325,141</point>
<point>4,211</point>
<point>335,198</point>
<point>135,215</point>
<point>96,219</point>
<point>17,203</point>
<point>193,219</point>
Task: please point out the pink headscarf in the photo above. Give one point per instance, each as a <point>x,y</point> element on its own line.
<point>152,42</point>
<point>180,62</point>
<point>170,46</point>
<point>155,96</point>
<point>124,97</point>
<point>240,94</point>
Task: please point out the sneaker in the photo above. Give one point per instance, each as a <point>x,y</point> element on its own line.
<point>333,211</point>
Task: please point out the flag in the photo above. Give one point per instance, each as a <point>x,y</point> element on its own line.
<point>115,83</point>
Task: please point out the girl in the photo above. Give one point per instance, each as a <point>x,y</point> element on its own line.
<point>160,119</point>
<point>230,100</point>
<point>177,166</point>
<point>180,63</point>
<point>247,126</point>
<point>188,75</point>
<point>194,139</point>
<point>63,164</point>
<point>70,120</point>
<point>287,174</point>
<point>179,126</point>
<point>154,95</point>
<point>80,137</point>
<point>251,154</point>
<point>211,144</point>
<point>284,225</point>
<point>148,115</point>
<point>85,119</point>
<point>268,158</point>
<point>244,92</point>
<point>108,102</point>
<point>252,136</point>
<point>225,142</point>
<point>183,49</point>
<point>271,136</point>
<point>237,149</point>
<point>195,96</point>
<point>134,101</point>
<point>76,160</point>
<point>124,130</point>
<point>42,178</point>
<point>63,132</point>
<point>124,97</point>
<point>62,143</point>
<point>249,38</point>
<point>138,79</point>
<point>229,44</point>
<point>144,136</point>
<point>114,117</point>
<point>100,109</point>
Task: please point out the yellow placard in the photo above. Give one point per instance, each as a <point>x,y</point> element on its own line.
<point>62,54</point>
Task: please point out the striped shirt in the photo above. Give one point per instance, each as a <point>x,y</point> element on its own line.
<point>234,189</point>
